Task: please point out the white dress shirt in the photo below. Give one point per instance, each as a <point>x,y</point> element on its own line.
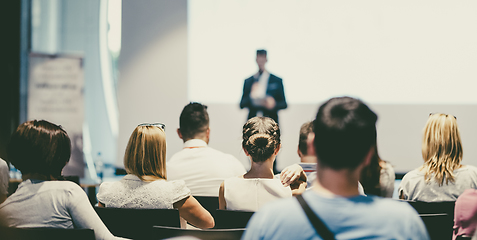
<point>202,168</point>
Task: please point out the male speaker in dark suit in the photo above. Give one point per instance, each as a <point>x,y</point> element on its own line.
<point>263,92</point>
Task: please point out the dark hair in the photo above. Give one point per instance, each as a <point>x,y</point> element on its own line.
<point>345,130</point>
<point>194,119</point>
<point>261,136</point>
<point>305,129</point>
<point>40,147</point>
<point>262,52</point>
<point>371,175</point>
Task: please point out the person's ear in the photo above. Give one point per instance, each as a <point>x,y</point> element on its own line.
<point>310,143</point>
<point>207,136</point>
<point>179,133</point>
<point>245,151</point>
<point>277,149</point>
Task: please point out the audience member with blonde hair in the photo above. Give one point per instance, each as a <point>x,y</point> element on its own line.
<point>145,186</point>
<point>442,177</point>
<point>261,143</point>
<point>40,150</point>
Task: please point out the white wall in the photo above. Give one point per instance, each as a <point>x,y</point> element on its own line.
<point>153,87</point>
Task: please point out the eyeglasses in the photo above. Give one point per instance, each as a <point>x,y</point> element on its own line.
<point>159,125</point>
<point>430,114</point>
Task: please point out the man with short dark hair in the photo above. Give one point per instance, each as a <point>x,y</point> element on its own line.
<point>201,167</point>
<point>307,161</point>
<point>343,139</point>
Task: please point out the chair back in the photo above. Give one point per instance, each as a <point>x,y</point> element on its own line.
<point>438,225</point>
<point>136,223</point>
<point>209,203</point>
<point>226,219</point>
<point>160,232</point>
<point>45,233</point>
<point>433,207</point>
<point>437,216</point>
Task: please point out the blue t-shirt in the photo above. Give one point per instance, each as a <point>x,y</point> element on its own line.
<point>360,217</point>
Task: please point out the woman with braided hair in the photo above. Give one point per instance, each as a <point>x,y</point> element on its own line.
<point>261,143</point>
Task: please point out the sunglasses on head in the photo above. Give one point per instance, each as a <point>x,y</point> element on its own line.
<point>430,114</point>
<point>159,125</point>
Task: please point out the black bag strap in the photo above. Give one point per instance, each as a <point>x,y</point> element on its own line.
<point>317,223</point>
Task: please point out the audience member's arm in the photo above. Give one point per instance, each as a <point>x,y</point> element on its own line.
<point>222,203</point>
<point>84,216</point>
<point>4,180</point>
<point>292,174</point>
<point>191,210</point>
<point>3,197</point>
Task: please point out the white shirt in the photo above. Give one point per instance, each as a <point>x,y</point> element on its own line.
<point>53,204</point>
<point>203,168</point>
<point>4,177</point>
<point>249,194</point>
<point>132,192</point>
<point>259,89</point>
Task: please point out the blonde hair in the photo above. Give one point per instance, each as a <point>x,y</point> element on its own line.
<point>441,148</point>
<point>146,152</point>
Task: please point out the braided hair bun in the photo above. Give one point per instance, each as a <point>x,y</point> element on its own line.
<point>261,137</point>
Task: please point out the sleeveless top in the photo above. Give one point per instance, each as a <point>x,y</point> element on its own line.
<point>249,194</point>
<point>132,192</point>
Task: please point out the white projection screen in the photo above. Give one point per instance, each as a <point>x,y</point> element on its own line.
<point>385,52</point>
<point>404,58</point>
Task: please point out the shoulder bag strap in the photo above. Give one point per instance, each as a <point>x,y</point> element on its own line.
<point>317,223</point>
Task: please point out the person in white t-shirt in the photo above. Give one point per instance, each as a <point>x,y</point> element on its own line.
<point>201,167</point>
<point>40,150</point>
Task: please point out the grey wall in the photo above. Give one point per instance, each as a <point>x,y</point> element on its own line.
<point>152,87</point>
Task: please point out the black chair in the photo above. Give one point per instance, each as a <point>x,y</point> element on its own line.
<point>438,225</point>
<point>209,203</point>
<point>433,207</point>
<point>160,232</point>
<point>227,219</point>
<point>45,233</point>
<point>437,216</point>
<point>137,223</point>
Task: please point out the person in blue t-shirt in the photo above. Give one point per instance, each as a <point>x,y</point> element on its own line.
<point>343,139</point>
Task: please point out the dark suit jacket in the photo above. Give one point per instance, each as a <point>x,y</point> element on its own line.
<point>274,89</point>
